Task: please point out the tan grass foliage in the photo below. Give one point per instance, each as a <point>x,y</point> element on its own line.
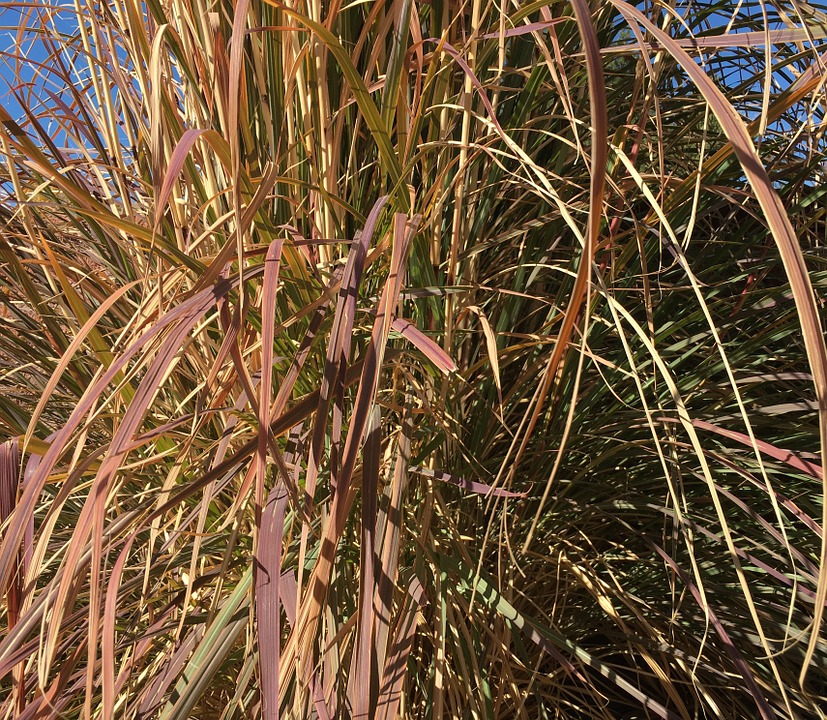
<point>413,359</point>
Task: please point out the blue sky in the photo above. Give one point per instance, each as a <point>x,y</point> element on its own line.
<point>33,49</point>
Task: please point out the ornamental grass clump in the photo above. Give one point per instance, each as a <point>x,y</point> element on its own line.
<point>413,359</point>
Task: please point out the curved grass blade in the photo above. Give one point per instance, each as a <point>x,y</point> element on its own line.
<point>791,256</point>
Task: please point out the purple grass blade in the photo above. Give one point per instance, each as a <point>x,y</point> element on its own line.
<point>476,487</point>
<point>267,577</point>
<point>268,315</point>
<point>108,634</point>
<point>764,708</point>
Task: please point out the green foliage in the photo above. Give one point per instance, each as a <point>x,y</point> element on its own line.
<point>413,359</point>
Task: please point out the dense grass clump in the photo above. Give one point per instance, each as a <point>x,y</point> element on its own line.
<point>413,359</point>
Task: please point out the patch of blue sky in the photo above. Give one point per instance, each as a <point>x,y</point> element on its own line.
<point>741,70</point>
<point>33,86</point>
<point>24,59</point>
<point>45,86</point>
<point>42,68</point>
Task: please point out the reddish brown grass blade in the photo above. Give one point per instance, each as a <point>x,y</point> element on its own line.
<point>364,677</point>
<point>753,39</point>
<point>268,610</point>
<point>425,345</point>
<point>69,353</point>
<point>396,665</point>
<point>108,635</point>
<point>269,595</point>
<point>786,456</point>
<point>756,39</point>
<point>599,157</point>
<point>153,696</point>
<point>300,411</point>
<point>187,312</point>
<point>92,518</point>
<point>9,480</point>
<point>338,352</point>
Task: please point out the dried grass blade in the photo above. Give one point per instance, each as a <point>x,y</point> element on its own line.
<point>491,347</point>
<point>176,162</point>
